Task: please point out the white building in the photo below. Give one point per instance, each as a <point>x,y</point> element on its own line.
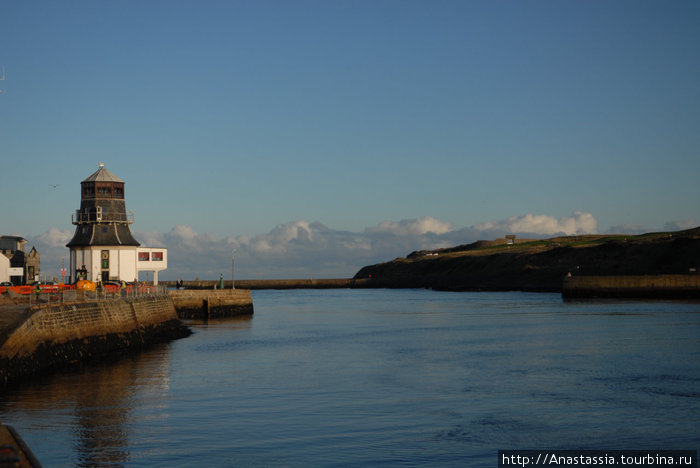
<point>16,265</point>
<point>103,247</point>
<point>4,269</point>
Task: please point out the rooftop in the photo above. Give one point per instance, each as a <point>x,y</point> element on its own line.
<point>103,175</point>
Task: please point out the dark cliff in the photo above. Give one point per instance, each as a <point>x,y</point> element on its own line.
<point>539,265</point>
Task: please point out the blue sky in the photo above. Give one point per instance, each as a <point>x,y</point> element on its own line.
<point>317,137</point>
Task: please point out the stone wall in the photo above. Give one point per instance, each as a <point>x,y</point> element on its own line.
<point>211,303</point>
<point>651,286</point>
<point>57,334</point>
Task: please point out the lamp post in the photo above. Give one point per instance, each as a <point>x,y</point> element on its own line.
<point>233,257</point>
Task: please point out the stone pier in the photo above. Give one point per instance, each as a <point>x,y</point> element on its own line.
<point>650,286</point>
<point>204,304</point>
<point>50,335</point>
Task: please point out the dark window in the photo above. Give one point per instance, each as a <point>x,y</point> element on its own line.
<point>104,191</point>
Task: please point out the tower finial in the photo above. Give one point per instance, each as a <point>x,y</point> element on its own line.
<point>101,164</point>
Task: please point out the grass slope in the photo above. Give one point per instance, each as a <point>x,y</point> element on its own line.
<point>539,264</point>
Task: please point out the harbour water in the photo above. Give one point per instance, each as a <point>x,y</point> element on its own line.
<point>380,377</point>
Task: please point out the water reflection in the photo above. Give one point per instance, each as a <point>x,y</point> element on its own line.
<point>95,407</point>
<point>240,322</point>
<point>96,400</point>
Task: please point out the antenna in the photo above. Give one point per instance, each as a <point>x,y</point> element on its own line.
<point>2,78</point>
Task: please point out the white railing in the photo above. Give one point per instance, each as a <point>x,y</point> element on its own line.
<point>94,217</point>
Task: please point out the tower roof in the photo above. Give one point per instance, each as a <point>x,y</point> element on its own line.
<point>103,175</point>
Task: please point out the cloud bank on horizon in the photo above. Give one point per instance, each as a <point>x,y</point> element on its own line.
<point>302,249</point>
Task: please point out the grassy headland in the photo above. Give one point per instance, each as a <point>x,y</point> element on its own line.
<point>539,264</point>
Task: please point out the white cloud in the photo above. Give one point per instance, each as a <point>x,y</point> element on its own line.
<point>54,237</point>
<point>412,227</point>
<point>52,249</point>
<point>302,249</point>
<point>294,249</point>
<point>626,229</point>
<point>283,237</point>
<point>150,239</point>
<point>680,225</point>
<point>577,223</point>
<point>184,235</point>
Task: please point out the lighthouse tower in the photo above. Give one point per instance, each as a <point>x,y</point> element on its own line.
<point>103,247</point>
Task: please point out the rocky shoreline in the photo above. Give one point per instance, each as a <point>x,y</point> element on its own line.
<point>539,264</point>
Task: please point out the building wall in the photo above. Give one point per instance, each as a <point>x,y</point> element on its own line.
<point>95,260</point>
<point>12,249</point>
<point>4,266</point>
<point>157,259</point>
<point>152,259</point>
<point>122,262</point>
<point>12,243</point>
<point>127,264</point>
<point>32,269</point>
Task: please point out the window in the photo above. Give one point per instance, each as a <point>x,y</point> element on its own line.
<point>104,190</point>
<point>144,257</point>
<point>157,256</point>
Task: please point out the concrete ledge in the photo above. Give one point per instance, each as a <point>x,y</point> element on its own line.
<point>59,334</point>
<point>203,304</point>
<point>652,286</point>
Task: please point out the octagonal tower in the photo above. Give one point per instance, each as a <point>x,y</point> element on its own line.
<point>103,247</point>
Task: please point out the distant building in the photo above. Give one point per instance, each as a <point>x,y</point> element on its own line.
<point>103,247</point>
<point>4,269</point>
<point>510,239</point>
<point>16,266</point>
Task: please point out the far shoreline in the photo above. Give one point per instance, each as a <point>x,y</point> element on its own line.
<point>612,286</point>
<point>308,283</point>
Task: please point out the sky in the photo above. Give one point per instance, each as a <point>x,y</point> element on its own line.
<point>316,137</point>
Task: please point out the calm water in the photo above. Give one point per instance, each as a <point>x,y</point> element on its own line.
<point>380,377</point>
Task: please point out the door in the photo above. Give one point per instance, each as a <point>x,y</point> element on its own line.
<point>105,265</point>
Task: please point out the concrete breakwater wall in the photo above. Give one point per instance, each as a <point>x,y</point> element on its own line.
<point>323,283</point>
<point>211,303</point>
<point>58,334</point>
<point>652,286</point>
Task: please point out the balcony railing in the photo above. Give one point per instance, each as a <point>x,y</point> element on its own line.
<point>96,217</point>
